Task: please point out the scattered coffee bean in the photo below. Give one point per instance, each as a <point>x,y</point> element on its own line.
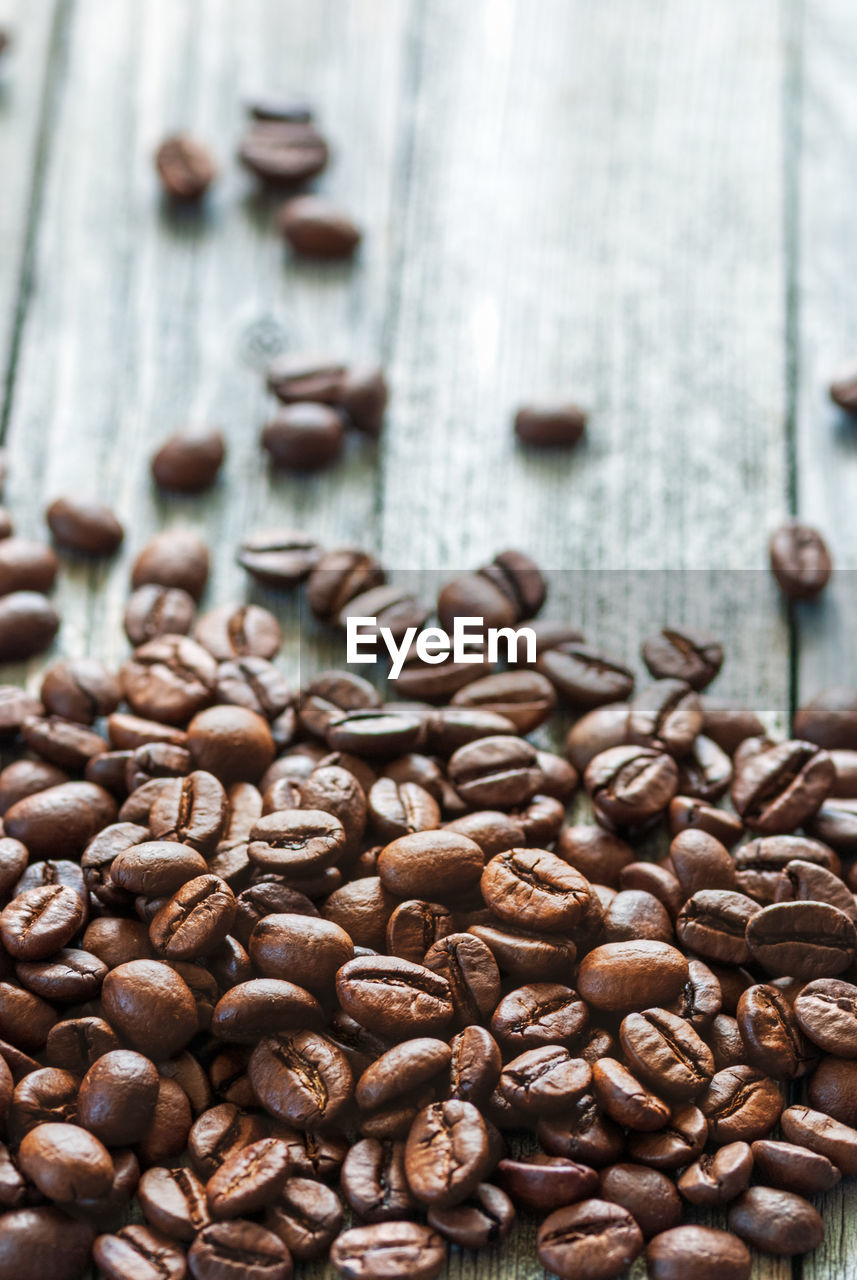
<point>800,561</point>
<point>550,425</point>
<point>84,525</point>
<point>189,460</point>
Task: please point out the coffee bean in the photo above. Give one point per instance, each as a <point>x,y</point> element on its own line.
<point>793,1168</point>
<point>773,1039</point>
<point>666,716</point>
<point>189,810</point>
<point>540,1082</point>
<point>259,1253</point>
<point>649,1196</point>
<point>778,1222</point>
<point>84,525</point>
<point>715,922</point>
<point>283,151</point>
<point>474,1067</point>
<point>683,654</point>
<point>425,863</point>
<point>689,814</point>
<point>447,1153</point>
<point>174,1202</point>
<point>469,967</point>
<point>307,1216</point>
<point>546,1182</point>
<point>316,228</point>
<point>169,679</point>
<point>264,1006</point>
<point>536,889</point>
<point>154,868</point>
<point>741,1104</point>
<point>676,1145</point>
<point>800,561</point>
<point>26,565</point>
<point>62,742</point>
<point>28,624</point>
<point>485,1218</point>
<point>185,167</point>
<point>39,921</point>
<point>585,677</point>
<point>301,1077</point>
<point>629,785</point>
<point>701,863</point>
<point>826,1011</point>
<point>667,1052</point>
<point>154,610</point>
<point>710,1253</point>
<point>65,1162</point>
<point>388,1251</point>
<point>386,994</point>
<point>279,558</point>
<point>176,558</point>
<point>783,787</point>
<point>117,1097</point>
<point>304,436</point>
<point>625,1099</point>
<point>718,1178</point>
<point>550,424</point>
<point>831,1089</point>
<point>823,1135</point>
<point>44,1241</point>
<point>538,1014</point>
<point>151,1006</point>
<point>80,689</point>
<point>592,1240</point>
<point>802,939</point>
<point>619,976</point>
<point>249,1180</point>
<point>311,951</point>
<point>374,1182</point>
<point>189,460</point>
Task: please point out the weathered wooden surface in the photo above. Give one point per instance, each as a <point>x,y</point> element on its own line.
<point>624,203</point>
<point>826,439</point>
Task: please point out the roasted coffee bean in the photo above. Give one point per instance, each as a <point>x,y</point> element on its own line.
<point>151,1006</point>
<point>807,882</point>
<point>28,624</point>
<point>239,631</point>
<point>683,654</point>
<point>155,610</point>
<point>220,1131</point>
<point>474,1067</point>
<point>701,863</point>
<point>79,689</point>
<point>592,1240</point>
<point>689,814</point>
<point>389,1251</point>
<point>61,742</point>
<point>264,1006</point>
<point>620,976</point>
<point>189,460</point>
<point>283,151</point>
<point>585,677</point>
<point>304,437</point>
<point>625,1099</point>
<point>793,1168</point>
<point>307,1216</point>
<point>374,1182</point>
<point>174,1202</point>
<point>718,1178</point>
<point>469,968</point>
<point>429,864</point>
<point>155,868</point>
<point>630,784</point>
<point>378,734</point>
<point>316,228</point>
<point>310,950</point>
<point>447,1153</point>
<point>583,1134</point>
<point>117,1097</point>
<point>676,1145</point>
<point>44,1241</point>
<point>715,922</point>
<point>536,889</point>
<point>173,558</point>
<point>387,995</point>
<point>169,679</point>
<point>550,424</point>
<point>301,1077</point>
<point>279,558</point>
<point>667,1053</point>
<point>75,1044</point>
<point>649,1196</point>
<point>597,854</point>
<point>778,1222</point>
<point>527,956</point>
<point>783,787</point>
<point>831,1089</point>
<point>26,777</point>
<point>297,841</point>
<point>255,684</point>
<point>666,716</point>
<point>800,561</point>
<point>823,1135</point>
<point>826,1011</point>
<point>185,167</point>
<point>39,921</point>
<point>249,1180</point>
<point>339,576</point>
<point>402,1069</point>
<point>84,525</point>
<point>741,1104</point>
<point>524,697</point>
<point>401,808</point>
<point>485,1218</point>
<point>190,810</point>
<point>802,940</point>
<point>541,1082</point>
<point>415,926</point>
<point>773,1040</point>
<point>542,1013</point>
<point>603,727</point>
<point>26,565</point>
<point>65,1162</point>
<point>69,976</point>
<point>710,1253</point>
<point>258,1252</point>
<point>634,914</point>
<point>545,1183</point>
<point>232,743</point>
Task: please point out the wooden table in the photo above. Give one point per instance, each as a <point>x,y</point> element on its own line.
<point>650,206</point>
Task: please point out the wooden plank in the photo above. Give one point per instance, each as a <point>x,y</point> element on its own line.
<point>27,72</point>
<point>594,208</point>
<point>142,319</point>
<point>826,440</point>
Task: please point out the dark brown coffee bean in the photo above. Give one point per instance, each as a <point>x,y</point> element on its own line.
<point>69,976</point>
<point>75,1044</point>
<point>44,1241</point>
<point>585,677</point>
<point>26,565</point>
<point>741,1104</point>
<point>310,950</point>
<point>689,814</point>
<point>283,151</point>
<point>26,777</point>
<point>117,1097</point>
<point>65,1162</point>
<point>793,1168</point>
<point>296,841</point>
<point>783,787</point>
<point>807,882</point>
<point>389,995</point>
<point>304,436</point>
<point>546,1182</point>
<point>338,577</point>
<point>701,863</point>
<point>279,558</point>
<point>525,955</point>
<point>447,1153</point>
<point>625,1099</point>
<point>718,1178</point>
<point>710,1253</point>
<point>715,922</point>
<point>401,808</point>
<point>667,1053</point>
<point>620,976</point>
<point>301,1077</point>
<point>316,228</point>
<point>169,679</point>
<point>84,525</point>
<point>542,1013</point>
<point>474,1067</point>
<point>524,697</point>
<point>257,1252</point>
<point>822,1134</point>
<point>536,889</point>
<point>550,425</point>
<point>666,716</point>
<point>174,1202</point>
<point>230,742</point>
<point>28,624</point>
<point>778,1222</point>
<point>248,1180</point>
<point>39,921</point>
<point>831,1089</point>
<point>683,654</point>
<point>374,1182</point>
<point>826,1011</point>
<point>802,939</point>
<point>154,610</point>
<point>773,1040</point>
<point>583,1134</point>
<point>151,1006</point>
<point>800,561</point>
<point>218,1132</point>
<point>430,863</point>
<point>195,920</point>
<point>603,727</point>
<point>185,167</point>
<point>64,743</point>
<point>471,971</point>
<point>649,1196</point>
<point>173,558</point>
<point>676,1145</point>
<point>541,1082</point>
<point>630,784</point>
<point>80,689</point>
<point>264,1006</point>
<point>239,631</point>
<point>403,1068</point>
<point>592,1240</point>
<point>155,868</point>
<point>307,1216</point>
<point>189,460</point>
<point>389,1251</point>
<point>190,810</point>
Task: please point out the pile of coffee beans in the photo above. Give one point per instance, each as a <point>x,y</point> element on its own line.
<point>294,973</point>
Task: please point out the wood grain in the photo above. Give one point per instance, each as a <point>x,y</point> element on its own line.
<point>826,439</point>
